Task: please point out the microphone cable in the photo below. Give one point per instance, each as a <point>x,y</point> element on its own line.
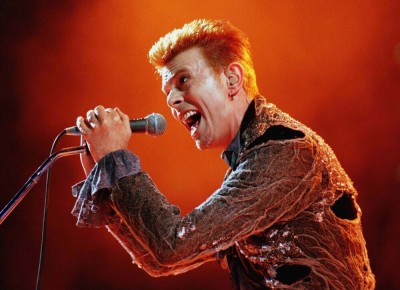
<point>45,208</point>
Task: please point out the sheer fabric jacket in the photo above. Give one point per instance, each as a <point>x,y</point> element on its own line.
<point>285,216</point>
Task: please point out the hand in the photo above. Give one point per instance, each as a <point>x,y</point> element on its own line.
<point>105,130</point>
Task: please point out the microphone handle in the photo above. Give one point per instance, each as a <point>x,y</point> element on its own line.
<point>138,125</point>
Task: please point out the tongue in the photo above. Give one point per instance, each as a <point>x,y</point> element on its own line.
<point>194,127</point>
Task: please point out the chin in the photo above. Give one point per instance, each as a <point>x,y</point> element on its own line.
<point>203,145</point>
<point>200,146</point>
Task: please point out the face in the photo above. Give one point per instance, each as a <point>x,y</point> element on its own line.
<point>198,98</point>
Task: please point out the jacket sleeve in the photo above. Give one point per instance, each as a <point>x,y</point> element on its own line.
<point>273,183</point>
<point>92,207</point>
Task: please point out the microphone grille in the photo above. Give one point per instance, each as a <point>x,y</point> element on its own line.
<point>156,124</point>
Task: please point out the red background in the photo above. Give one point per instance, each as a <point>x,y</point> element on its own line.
<point>334,65</point>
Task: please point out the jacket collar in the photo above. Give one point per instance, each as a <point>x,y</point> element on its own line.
<point>254,124</point>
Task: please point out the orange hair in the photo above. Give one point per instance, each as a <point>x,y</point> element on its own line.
<point>221,43</point>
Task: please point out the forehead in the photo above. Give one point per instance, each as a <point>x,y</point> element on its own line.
<point>191,60</point>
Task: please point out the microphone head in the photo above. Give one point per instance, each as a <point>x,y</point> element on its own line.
<point>155,124</point>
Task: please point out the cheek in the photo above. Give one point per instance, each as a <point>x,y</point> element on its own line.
<point>213,84</point>
<point>213,95</point>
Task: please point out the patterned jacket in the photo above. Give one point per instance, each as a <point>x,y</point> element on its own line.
<point>285,216</point>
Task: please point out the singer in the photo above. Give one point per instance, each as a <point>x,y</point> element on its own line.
<point>286,215</point>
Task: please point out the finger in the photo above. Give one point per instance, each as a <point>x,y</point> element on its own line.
<point>113,114</point>
<point>122,115</point>
<point>82,125</point>
<point>101,113</point>
<point>83,141</point>
<point>91,118</point>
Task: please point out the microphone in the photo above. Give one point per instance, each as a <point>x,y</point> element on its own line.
<point>153,125</point>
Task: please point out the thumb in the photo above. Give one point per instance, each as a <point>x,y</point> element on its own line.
<point>87,160</point>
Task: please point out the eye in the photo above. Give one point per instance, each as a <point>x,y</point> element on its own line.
<point>183,80</point>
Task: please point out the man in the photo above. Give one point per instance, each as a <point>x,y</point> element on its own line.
<point>285,215</point>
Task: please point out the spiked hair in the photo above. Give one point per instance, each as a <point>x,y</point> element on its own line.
<point>220,41</point>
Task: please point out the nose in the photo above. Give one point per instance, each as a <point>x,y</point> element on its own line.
<point>175,99</point>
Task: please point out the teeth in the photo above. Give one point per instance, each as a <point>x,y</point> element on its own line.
<point>187,115</point>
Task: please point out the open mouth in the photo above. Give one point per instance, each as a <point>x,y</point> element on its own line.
<point>191,119</point>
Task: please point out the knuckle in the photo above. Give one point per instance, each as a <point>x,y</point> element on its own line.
<point>99,108</point>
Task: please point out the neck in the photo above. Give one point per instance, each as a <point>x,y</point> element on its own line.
<point>240,104</point>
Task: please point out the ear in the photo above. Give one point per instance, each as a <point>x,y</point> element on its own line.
<point>234,74</point>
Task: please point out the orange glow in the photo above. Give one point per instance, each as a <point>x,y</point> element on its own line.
<point>333,66</point>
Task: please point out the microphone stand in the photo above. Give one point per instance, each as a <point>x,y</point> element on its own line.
<point>33,180</point>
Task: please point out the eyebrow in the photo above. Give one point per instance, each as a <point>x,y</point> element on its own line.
<point>174,75</point>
